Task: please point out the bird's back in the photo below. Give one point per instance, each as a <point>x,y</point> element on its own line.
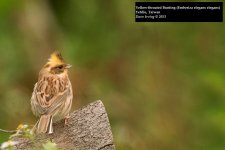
<point>52,95</point>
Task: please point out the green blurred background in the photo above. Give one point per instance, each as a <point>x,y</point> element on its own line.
<point>163,84</point>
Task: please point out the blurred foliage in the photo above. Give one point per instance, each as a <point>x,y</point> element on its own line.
<point>163,84</point>
<point>50,146</point>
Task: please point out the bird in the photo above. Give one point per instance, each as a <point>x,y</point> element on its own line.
<point>52,95</point>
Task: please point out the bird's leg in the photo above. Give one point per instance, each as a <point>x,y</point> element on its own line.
<point>66,120</point>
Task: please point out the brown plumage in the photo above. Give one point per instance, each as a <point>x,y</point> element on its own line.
<point>52,96</point>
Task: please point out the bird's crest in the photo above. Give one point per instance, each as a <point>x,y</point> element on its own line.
<point>55,59</point>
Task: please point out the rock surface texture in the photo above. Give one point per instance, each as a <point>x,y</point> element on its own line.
<point>88,129</point>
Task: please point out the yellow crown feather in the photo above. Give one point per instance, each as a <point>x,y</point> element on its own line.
<point>55,59</point>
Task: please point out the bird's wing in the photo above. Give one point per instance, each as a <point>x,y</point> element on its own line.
<point>45,104</point>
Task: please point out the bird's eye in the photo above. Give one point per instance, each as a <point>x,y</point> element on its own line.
<point>60,67</point>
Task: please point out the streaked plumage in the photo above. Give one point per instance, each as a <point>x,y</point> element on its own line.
<point>52,96</point>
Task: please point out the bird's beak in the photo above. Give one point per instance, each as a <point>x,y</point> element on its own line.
<point>68,66</point>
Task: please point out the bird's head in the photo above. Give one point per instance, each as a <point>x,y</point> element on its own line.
<point>56,64</point>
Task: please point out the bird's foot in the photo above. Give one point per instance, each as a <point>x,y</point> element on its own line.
<point>66,121</point>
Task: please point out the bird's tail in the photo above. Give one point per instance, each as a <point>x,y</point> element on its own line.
<point>44,125</point>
